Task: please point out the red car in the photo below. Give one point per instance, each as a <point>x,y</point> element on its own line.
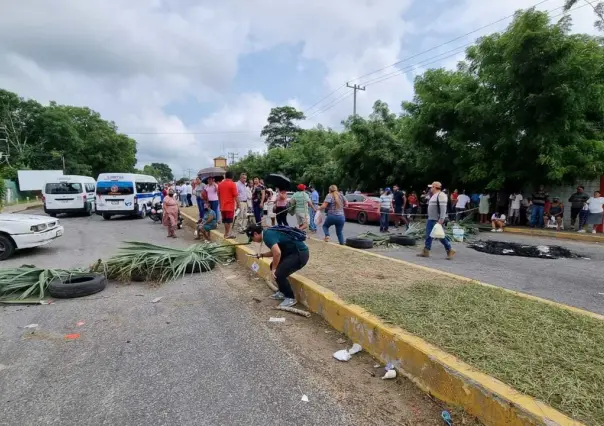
<point>362,208</point>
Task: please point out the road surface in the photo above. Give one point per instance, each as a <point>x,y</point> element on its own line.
<point>575,282</point>
<point>201,356</point>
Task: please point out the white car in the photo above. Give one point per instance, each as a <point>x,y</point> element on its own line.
<point>19,231</point>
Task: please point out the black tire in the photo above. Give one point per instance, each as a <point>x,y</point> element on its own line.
<point>359,243</point>
<point>194,268</point>
<point>51,214</point>
<point>88,210</point>
<point>402,240</point>
<point>106,216</point>
<point>7,247</point>
<point>362,218</point>
<point>143,213</point>
<point>77,286</point>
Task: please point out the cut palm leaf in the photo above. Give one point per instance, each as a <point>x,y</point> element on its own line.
<point>29,282</point>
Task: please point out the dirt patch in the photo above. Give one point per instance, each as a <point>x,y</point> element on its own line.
<point>355,384</point>
<point>507,248</point>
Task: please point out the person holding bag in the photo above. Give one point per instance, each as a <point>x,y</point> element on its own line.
<point>437,213</point>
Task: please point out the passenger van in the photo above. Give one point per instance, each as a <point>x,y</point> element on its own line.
<point>125,194</point>
<point>69,194</point>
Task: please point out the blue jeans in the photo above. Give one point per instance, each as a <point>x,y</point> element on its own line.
<point>311,214</point>
<point>537,216</point>
<point>384,219</point>
<point>338,221</point>
<point>428,245</point>
<point>257,212</point>
<point>199,201</point>
<point>214,206</point>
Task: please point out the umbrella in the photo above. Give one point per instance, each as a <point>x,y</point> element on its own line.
<point>215,172</point>
<point>216,179</point>
<point>277,180</point>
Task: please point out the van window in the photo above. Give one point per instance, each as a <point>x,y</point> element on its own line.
<point>63,188</point>
<point>89,187</point>
<point>114,188</point>
<point>145,187</point>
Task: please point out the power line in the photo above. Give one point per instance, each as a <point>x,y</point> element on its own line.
<point>329,106</point>
<point>445,43</point>
<point>355,88</point>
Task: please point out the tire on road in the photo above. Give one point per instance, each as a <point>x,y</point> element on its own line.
<point>77,286</point>
<point>7,246</point>
<point>359,243</point>
<point>403,240</point>
<point>106,216</point>
<point>194,268</point>
<point>362,218</point>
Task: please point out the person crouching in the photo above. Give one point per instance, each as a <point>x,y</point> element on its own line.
<point>497,222</point>
<point>207,222</point>
<point>289,253</point>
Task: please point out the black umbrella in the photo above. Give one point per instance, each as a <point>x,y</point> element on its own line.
<point>277,180</point>
<point>216,179</point>
<point>216,172</point>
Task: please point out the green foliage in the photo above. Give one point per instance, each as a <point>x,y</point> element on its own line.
<point>41,137</point>
<point>30,282</point>
<point>526,107</point>
<point>281,130</point>
<point>2,190</point>
<point>161,171</point>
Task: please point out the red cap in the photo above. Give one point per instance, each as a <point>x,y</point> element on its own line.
<point>301,187</point>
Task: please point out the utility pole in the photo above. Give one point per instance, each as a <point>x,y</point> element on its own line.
<point>187,172</point>
<point>232,156</point>
<point>355,87</point>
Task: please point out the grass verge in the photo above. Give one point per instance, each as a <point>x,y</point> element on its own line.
<point>547,352</point>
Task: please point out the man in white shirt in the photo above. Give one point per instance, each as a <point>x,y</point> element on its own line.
<point>515,200</point>
<point>242,198</point>
<point>462,203</point>
<point>189,191</point>
<point>497,222</point>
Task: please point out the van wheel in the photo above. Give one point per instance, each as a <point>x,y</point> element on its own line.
<point>362,218</point>
<point>88,210</point>
<point>52,214</point>
<point>7,247</point>
<point>106,216</point>
<point>143,213</point>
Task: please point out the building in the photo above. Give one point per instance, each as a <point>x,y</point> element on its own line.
<point>220,162</point>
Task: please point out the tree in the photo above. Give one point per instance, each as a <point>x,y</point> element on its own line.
<point>598,10</point>
<point>164,172</point>
<point>281,130</point>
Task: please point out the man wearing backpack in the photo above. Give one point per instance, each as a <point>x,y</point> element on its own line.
<point>289,253</point>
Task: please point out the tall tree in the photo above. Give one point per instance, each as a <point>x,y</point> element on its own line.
<point>164,172</point>
<point>281,131</point>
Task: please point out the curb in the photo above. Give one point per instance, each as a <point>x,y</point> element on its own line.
<point>431,369</point>
<point>588,238</point>
<point>22,207</point>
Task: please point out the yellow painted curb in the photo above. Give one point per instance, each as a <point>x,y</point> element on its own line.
<point>433,370</point>
<point>588,238</point>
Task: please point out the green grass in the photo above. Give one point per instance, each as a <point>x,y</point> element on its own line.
<point>547,352</point>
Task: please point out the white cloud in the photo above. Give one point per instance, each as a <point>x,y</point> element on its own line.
<point>129,59</point>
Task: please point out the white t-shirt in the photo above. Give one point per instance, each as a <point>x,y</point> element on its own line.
<point>595,204</point>
<point>501,217</point>
<point>516,200</point>
<point>462,201</point>
<point>385,201</point>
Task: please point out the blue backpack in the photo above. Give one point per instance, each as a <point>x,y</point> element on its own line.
<point>294,233</point>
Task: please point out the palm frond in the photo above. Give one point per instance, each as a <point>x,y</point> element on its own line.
<point>158,263</point>
<point>29,282</point>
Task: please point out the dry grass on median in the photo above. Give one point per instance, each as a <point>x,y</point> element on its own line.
<point>544,351</point>
<point>547,352</point>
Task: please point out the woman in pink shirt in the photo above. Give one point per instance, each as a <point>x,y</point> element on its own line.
<point>281,207</point>
<point>212,194</point>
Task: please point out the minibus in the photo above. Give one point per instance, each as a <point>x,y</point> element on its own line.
<point>125,194</point>
<point>69,194</point>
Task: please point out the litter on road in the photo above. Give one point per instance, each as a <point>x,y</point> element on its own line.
<point>31,326</point>
<point>157,299</point>
<point>72,336</point>
<point>390,374</point>
<point>304,398</point>
<point>346,354</point>
<point>80,323</point>
<point>274,319</point>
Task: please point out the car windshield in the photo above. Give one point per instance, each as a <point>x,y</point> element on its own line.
<point>63,188</point>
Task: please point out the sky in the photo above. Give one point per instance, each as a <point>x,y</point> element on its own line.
<point>190,80</point>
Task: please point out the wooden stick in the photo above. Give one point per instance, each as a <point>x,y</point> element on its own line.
<point>294,311</point>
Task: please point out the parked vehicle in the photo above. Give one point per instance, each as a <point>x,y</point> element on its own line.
<point>362,208</point>
<point>19,231</point>
<point>69,194</point>
<point>125,194</point>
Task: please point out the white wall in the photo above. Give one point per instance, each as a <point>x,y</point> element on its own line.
<point>33,180</point>
<point>564,192</point>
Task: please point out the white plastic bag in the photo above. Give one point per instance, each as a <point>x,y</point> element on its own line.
<point>438,232</point>
<point>319,218</point>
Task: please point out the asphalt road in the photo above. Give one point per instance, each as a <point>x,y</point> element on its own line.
<point>198,357</point>
<point>575,282</point>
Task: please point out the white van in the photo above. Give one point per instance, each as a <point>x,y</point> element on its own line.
<point>69,194</point>
<point>125,194</point>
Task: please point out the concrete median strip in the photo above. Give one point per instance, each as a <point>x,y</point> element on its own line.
<point>433,370</point>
